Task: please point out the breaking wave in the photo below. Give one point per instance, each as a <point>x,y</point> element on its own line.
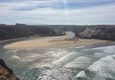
<point>82,63</point>
<point>103,69</point>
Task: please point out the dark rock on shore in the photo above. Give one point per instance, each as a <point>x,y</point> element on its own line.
<point>6,73</point>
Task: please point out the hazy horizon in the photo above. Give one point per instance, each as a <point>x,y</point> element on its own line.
<point>57,24</point>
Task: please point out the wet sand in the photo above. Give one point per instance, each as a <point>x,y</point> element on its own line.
<point>48,43</point>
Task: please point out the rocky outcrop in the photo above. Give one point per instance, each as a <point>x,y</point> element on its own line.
<point>6,73</point>
<point>106,33</point>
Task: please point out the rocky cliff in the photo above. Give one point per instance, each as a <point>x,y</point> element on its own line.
<point>6,73</point>
<point>105,32</point>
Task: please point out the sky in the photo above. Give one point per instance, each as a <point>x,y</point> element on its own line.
<point>59,12</point>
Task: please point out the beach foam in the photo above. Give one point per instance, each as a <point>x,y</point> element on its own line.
<point>102,69</point>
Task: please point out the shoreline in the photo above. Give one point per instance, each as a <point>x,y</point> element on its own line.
<point>48,43</point>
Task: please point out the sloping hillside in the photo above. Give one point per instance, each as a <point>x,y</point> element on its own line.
<point>22,30</point>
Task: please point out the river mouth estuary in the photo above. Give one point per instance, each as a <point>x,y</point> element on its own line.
<point>57,39</point>
<point>71,63</point>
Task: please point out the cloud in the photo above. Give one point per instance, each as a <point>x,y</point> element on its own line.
<point>52,12</point>
<point>57,4</point>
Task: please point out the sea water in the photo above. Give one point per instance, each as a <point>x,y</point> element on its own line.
<point>81,63</point>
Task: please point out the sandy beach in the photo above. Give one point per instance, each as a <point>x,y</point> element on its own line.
<point>48,43</point>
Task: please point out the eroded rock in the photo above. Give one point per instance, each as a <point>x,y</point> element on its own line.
<point>6,73</point>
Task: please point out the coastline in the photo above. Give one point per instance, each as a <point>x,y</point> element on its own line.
<point>48,43</point>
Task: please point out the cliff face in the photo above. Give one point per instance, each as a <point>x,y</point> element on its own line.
<point>6,73</point>
<point>106,33</point>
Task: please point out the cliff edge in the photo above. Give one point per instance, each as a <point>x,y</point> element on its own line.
<point>6,73</point>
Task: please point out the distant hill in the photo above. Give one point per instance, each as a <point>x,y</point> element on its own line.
<point>22,30</point>
<point>83,31</point>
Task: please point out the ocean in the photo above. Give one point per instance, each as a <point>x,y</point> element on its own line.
<point>94,62</point>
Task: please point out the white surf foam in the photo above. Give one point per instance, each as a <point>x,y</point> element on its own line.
<point>100,55</point>
<point>58,53</point>
<point>80,62</point>
<point>110,49</point>
<point>67,58</point>
<point>16,57</point>
<point>80,47</point>
<point>103,69</point>
<point>51,56</point>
